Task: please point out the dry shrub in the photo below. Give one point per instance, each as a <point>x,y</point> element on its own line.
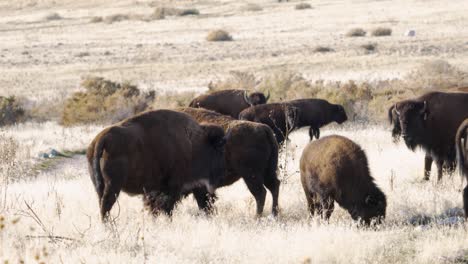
<point>104,101</point>
<point>168,100</point>
<point>436,75</point>
<point>302,6</point>
<point>96,19</point>
<point>322,49</point>
<point>53,16</point>
<point>236,80</point>
<point>381,31</point>
<point>189,12</point>
<point>356,32</point>
<point>11,111</point>
<point>116,18</point>
<point>369,47</point>
<point>252,7</point>
<point>218,35</point>
<point>162,12</point>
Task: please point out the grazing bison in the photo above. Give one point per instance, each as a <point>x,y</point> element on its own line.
<point>431,122</point>
<point>229,102</point>
<point>462,154</point>
<point>287,116</point>
<point>160,154</point>
<point>335,169</point>
<point>251,153</point>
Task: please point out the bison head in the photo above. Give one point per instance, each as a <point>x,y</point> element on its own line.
<point>412,116</point>
<point>372,208</point>
<point>339,114</point>
<point>256,98</point>
<point>215,152</point>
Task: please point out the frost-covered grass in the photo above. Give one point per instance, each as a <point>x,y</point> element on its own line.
<point>66,206</point>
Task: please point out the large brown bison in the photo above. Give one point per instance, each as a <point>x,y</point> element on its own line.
<point>229,102</point>
<point>431,122</point>
<point>285,117</point>
<point>161,154</point>
<point>334,168</point>
<point>251,153</point>
<point>462,154</point>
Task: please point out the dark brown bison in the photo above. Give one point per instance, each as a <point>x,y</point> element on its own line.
<point>335,169</point>
<point>430,122</point>
<point>285,117</point>
<point>462,154</point>
<point>251,153</point>
<point>229,102</point>
<point>160,154</point>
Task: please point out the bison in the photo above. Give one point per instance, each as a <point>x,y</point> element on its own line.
<point>285,117</point>
<point>160,154</point>
<point>462,154</point>
<point>229,102</point>
<point>251,153</point>
<point>335,168</point>
<point>430,122</point>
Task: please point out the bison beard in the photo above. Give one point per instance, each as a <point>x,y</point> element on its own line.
<point>159,154</point>
<point>430,122</point>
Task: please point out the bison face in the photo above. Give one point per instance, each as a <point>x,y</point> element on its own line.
<point>412,117</point>
<point>257,98</point>
<point>215,153</point>
<point>339,114</point>
<point>373,208</point>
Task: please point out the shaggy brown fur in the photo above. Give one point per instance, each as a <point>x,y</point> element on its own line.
<point>285,117</point>
<point>335,169</point>
<point>431,122</point>
<point>251,153</point>
<point>158,153</point>
<point>228,102</point>
<point>462,154</point>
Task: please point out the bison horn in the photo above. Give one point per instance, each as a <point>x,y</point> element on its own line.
<point>246,98</point>
<point>268,96</point>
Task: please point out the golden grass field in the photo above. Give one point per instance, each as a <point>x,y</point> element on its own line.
<point>48,208</point>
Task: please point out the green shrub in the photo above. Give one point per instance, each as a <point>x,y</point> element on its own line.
<point>11,111</point>
<point>104,101</point>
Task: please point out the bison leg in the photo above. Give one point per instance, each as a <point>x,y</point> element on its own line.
<point>449,167</point>
<point>427,166</point>
<point>273,185</point>
<point>204,199</point>
<point>328,205</point>
<point>158,202</point>
<point>312,203</point>
<point>255,186</point>
<point>440,169</point>
<point>465,200</point>
<point>314,132</point>
<point>113,174</point>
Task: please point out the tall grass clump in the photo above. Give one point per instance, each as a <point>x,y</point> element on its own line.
<point>381,32</point>
<point>11,111</point>
<point>356,32</point>
<point>436,74</point>
<point>104,101</point>
<point>236,80</point>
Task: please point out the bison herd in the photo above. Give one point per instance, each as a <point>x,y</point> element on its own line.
<point>223,136</point>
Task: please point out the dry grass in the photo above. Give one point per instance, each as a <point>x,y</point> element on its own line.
<point>55,218</point>
<point>381,32</point>
<point>251,7</point>
<point>302,6</point>
<point>116,18</point>
<point>104,101</point>
<point>236,80</point>
<point>169,100</point>
<point>356,32</point>
<point>369,47</point>
<point>53,16</point>
<point>218,35</point>
<point>96,19</point>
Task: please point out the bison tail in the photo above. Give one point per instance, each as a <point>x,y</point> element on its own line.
<point>98,179</point>
<point>461,136</point>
